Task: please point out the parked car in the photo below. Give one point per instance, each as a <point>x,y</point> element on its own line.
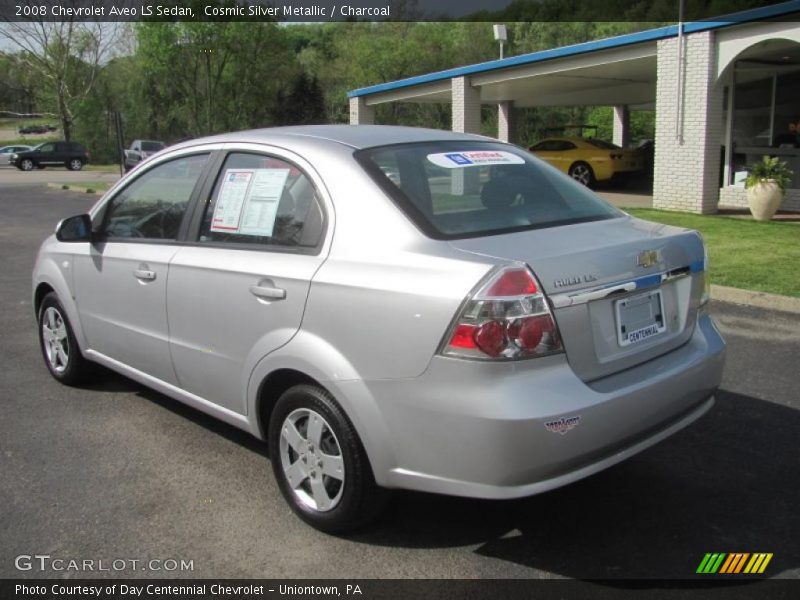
<point>7,151</point>
<point>588,160</point>
<point>35,129</point>
<point>140,150</point>
<point>69,154</point>
<point>387,307</point>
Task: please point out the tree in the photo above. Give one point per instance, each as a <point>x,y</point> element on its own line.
<point>66,56</point>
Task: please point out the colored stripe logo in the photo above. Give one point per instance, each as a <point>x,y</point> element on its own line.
<point>734,563</point>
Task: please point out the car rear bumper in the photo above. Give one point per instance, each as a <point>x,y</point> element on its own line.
<point>508,430</point>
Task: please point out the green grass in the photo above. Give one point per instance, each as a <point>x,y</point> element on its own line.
<point>752,255</point>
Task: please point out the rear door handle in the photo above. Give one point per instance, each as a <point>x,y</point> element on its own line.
<point>268,293</point>
<point>144,274</point>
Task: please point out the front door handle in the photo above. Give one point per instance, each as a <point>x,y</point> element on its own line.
<point>268,292</point>
<point>144,274</point>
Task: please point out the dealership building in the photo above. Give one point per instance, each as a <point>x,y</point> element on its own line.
<point>725,93</point>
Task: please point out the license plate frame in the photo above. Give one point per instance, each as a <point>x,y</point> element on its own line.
<point>633,323</point>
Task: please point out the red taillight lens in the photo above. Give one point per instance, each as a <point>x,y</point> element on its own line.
<point>491,338</point>
<point>516,282</point>
<point>507,317</point>
<point>464,336</point>
<point>529,332</point>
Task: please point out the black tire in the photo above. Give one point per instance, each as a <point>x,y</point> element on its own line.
<point>73,370</point>
<point>26,164</point>
<point>360,500</point>
<point>74,164</point>
<point>582,173</point>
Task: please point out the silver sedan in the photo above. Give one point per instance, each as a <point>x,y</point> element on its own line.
<point>7,151</point>
<point>388,308</point>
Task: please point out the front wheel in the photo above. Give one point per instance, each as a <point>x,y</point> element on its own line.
<point>26,164</point>
<point>60,349</point>
<point>319,462</point>
<point>76,164</point>
<point>582,173</point>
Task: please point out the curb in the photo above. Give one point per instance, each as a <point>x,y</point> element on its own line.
<point>73,188</point>
<point>757,299</point>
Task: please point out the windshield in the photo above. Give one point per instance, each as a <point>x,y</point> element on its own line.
<point>602,144</point>
<point>152,146</point>
<point>457,190</point>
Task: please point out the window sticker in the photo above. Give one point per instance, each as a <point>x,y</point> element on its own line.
<point>261,205</point>
<point>474,158</point>
<point>232,193</point>
<point>248,200</point>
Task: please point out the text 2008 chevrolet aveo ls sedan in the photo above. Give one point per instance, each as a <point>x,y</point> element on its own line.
<point>389,308</point>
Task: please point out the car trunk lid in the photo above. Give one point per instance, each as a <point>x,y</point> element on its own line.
<point>623,290</point>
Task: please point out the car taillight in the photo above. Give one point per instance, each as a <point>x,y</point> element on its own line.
<point>506,318</point>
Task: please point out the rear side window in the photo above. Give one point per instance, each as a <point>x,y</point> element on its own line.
<point>457,190</point>
<point>262,200</point>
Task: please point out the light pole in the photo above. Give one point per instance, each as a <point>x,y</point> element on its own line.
<point>500,35</point>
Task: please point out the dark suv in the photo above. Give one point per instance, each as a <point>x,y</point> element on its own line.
<point>69,154</point>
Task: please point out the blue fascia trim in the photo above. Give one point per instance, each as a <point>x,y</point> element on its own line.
<point>756,14</point>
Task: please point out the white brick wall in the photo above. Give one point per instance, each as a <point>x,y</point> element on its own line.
<point>736,197</point>
<point>360,113</point>
<point>687,169</point>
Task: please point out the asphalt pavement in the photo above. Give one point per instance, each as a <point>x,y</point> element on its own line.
<point>116,471</point>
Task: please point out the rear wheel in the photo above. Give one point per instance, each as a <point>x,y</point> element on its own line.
<point>319,462</point>
<point>75,164</point>
<point>60,349</point>
<point>582,173</point>
<point>26,164</point>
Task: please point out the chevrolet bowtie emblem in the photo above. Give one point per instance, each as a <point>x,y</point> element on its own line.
<point>647,258</point>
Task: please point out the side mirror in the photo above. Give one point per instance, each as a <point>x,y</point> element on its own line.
<point>75,229</point>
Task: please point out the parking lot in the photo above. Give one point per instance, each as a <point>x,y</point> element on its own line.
<point>116,471</point>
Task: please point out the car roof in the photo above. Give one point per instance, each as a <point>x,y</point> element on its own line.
<point>355,136</point>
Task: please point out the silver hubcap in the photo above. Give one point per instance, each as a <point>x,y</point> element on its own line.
<point>75,164</point>
<point>54,337</point>
<point>311,459</point>
<point>27,165</point>
<point>581,173</point>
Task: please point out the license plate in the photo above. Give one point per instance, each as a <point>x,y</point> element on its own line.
<point>640,317</point>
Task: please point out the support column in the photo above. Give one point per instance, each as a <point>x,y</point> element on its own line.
<point>360,113</point>
<point>687,156</point>
<point>506,125</point>
<point>622,121</point>
<point>466,107</point>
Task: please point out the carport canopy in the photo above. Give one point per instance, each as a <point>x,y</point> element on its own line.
<point>613,77</point>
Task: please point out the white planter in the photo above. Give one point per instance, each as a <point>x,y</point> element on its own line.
<point>764,198</point>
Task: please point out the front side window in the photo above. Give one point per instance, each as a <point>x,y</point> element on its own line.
<point>153,206</point>
<point>262,200</point>
<point>456,190</point>
<point>46,148</point>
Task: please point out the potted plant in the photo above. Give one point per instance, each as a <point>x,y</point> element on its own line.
<point>766,184</point>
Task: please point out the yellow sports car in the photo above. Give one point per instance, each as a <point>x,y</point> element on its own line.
<point>588,160</point>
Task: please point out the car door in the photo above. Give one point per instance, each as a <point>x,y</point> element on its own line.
<point>44,153</point>
<point>121,278</point>
<point>238,289</point>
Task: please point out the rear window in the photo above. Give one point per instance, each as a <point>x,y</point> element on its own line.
<point>602,144</point>
<point>152,146</point>
<point>455,190</point>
